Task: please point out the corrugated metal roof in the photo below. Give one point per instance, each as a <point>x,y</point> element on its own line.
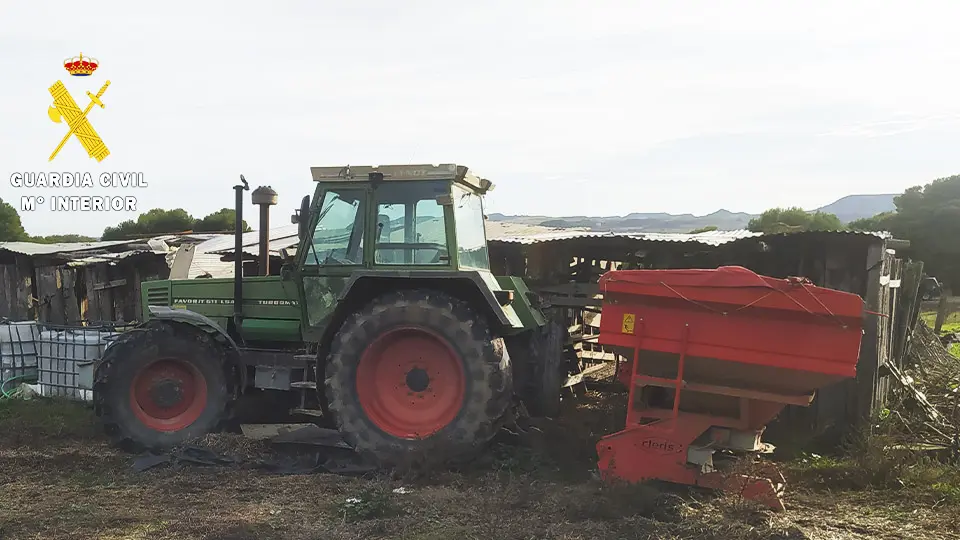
<point>210,263</point>
<point>86,253</point>
<point>204,264</point>
<point>30,248</point>
<point>878,234</point>
<point>711,238</point>
<point>108,257</point>
<point>280,237</point>
<point>188,238</point>
<point>537,238</point>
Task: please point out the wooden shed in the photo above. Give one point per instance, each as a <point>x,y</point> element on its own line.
<point>77,282</point>
<point>565,267</point>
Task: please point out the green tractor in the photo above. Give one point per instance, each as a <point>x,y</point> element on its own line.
<point>385,320</point>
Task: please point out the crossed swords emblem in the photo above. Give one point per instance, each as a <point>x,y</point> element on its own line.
<point>65,107</point>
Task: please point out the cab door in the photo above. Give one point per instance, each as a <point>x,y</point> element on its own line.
<point>333,250</point>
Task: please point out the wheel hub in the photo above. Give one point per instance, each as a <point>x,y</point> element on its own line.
<point>418,380</point>
<point>411,383</point>
<point>167,392</point>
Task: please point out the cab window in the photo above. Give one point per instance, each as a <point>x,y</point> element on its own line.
<point>338,235</point>
<point>410,224</point>
<point>471,234</point>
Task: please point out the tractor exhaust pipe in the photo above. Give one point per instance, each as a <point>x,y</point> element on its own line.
<point>238,253</point>
<point>264,197</point>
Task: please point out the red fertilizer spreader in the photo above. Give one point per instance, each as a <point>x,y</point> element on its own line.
<point>714,356</point>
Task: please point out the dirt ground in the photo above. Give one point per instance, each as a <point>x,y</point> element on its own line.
<point>60,479</point>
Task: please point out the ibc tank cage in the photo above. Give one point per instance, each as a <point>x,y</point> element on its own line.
<point>59,359</point>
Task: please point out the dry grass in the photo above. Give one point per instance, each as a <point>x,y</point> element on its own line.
<point>60,480</point>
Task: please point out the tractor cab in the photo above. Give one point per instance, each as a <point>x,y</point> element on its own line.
<point>426,217</point>
<point>367,228</point>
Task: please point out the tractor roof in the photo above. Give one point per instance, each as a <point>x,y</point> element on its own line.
<point>402,173</point>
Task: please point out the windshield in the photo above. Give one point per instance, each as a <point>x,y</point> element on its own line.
<point>471,236</point>
<point>338,236</point>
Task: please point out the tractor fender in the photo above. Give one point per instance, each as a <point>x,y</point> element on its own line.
<point>357,288</point>
<point>197,320</point>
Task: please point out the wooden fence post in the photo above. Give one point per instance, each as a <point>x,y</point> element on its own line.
<point>941,314</point>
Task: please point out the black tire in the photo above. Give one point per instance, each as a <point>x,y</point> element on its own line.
<point>485,364</point>
<point>542,350</point>
<point>138,349</point>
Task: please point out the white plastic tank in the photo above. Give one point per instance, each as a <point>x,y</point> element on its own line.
<point>62,354</point>
<point>18,351</point>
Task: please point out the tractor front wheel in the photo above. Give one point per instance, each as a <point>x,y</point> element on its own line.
<point>160,386</point>
<point>418,371</point>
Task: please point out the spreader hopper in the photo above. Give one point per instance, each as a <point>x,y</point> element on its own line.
<point>714,356</point>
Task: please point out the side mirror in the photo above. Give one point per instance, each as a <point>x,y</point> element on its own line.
<point>302,217</point>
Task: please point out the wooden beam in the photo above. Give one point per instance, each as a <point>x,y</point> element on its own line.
<point>578,378</point>
<point>561,301</point>
<point>110,284</point>
<point>571,289</point>
<point>861,406</point>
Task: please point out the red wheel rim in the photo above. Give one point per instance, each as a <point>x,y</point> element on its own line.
<point>168,395</point>
<point>410,383</point>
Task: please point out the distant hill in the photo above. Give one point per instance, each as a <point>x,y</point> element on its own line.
<point>847,209</point>
<point>854,207</point>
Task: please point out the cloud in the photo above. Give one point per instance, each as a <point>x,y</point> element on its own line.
<point>617,106</point>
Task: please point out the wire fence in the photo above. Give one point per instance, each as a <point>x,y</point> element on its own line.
<point>59,360</point>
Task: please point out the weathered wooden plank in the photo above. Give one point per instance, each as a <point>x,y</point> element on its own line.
<point>16,294</point>
<point>7,291</point>
<point>578,378</point>
<point>598,356</point>
<point>92,312</point>
<point>48,292</point>
<point>110,284</point>
<point>868,364</point>
<point>71,305</point>
<point>562,301</point>
<point>119,296</point>
<point>135,301</point>
<point>909,295</point>
<point>571,289</point>
<point>104,297</point>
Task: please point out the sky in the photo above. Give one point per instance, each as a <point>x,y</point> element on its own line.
<point>570,108</point>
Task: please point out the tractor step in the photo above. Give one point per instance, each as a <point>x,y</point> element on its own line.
<point>308,412</point>
<point>304,384</point>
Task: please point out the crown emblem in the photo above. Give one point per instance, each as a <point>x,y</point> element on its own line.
<point>78,66</point>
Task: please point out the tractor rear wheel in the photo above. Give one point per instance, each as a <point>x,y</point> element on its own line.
<point>540,357</point>
<point>160,386</point>
<point>549,369</point>
<point>418,371</point>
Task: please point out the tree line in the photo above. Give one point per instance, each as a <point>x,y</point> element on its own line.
<point>926,215</point>
<point>153,223</point>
